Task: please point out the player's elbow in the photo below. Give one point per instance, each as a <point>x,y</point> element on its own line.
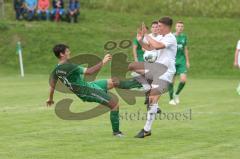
<point>89,72</point>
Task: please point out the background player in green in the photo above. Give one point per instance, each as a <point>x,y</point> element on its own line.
<point>137,51</point>
<point>182,63</point>
<point>72,76</point>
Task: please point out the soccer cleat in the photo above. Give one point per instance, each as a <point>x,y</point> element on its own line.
<point>143,134</point>
<point>159,111</point>
<point>176,99</point>
<point>172,102</point>
<point>118,134</point>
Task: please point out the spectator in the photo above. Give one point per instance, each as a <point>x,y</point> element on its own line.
<point>236,62</point>
<point>43,6</point>
<point>58,9</point>
<point>19,8</point>
<point>73,11</point>
<point>31,6</point>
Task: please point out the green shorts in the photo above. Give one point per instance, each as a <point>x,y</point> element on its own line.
<point>96,92</point>
<point>181,68</point>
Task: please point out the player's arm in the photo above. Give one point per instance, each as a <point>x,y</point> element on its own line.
<point>135,53</point>
<point>187,57</point>
<point>145,46</point>
<point>97,67</point>
<point>155,44</point>
<point>50,101</point>
<point>236,58</point>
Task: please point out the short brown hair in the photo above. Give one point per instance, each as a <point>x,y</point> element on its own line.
<point>167,21</point>
<point>179,22</point>
<point>154,22</point>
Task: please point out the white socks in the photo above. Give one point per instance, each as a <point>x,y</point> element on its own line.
<point>151,117</point>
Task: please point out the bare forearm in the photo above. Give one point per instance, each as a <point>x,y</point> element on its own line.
<point>134,53</point>
<point>51,93</point>
<point>236,55</point>
<point>187,55</point>
<point>154,43</point>
<point>145,46</point>
<point>94,68</point>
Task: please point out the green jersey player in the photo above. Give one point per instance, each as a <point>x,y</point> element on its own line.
<point>72,76</point>
<point>182,63</point>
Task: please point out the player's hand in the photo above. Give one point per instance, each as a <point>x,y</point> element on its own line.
<point>49,102</point>
<point>107,58</point>
<point>144,29</point>
<point>139,35</point>
<point>188,65</point>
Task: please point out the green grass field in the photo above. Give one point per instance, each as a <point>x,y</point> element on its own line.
<point>29,130</point>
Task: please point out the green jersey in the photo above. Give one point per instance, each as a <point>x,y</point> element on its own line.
<point>182,43</point>
<point>140,52</point>
<point>71,75</point>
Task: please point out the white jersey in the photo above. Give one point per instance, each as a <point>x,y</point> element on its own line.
<point>167,56</point>
<point>238,48</point>
<point>157,38</point>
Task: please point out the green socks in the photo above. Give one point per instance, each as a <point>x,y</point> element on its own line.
<point>180,87</point>
<point>114,117</point>
<point>129,84</point>
<point>171,91</point>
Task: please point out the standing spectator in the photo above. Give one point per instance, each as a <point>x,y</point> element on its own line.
<point>237,56</point>
<point>19,8</point>
<point>73,11</point>
<point>43,6</point>
<point>58,9</point>
<point>31,6</point>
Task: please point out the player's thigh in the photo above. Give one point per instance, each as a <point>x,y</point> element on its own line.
<point>103,84</point>
<point>154,70</point>
<point>181,69</point>
<point>136,66</point>
<point>95,95</point>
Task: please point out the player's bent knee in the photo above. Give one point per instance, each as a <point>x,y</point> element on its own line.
<point>113,105</point>
<point>115,81</point>
<point>132,66</point>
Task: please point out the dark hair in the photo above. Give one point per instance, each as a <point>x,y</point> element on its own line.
<point>154,22</point>
<point>167,21</point>
<point>59,48</point>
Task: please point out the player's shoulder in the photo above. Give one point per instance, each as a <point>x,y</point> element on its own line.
<point>184,35</point>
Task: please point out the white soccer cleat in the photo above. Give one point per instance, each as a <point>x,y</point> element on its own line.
<point>176,99</point>
<point>172,102</point>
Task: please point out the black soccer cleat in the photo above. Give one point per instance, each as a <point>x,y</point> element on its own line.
<point>159,111</point>
<point>118,134</point>
<point>143,134</point>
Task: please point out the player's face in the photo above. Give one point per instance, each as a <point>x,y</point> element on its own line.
<point>66,55</point>
<point>179,27</point>
<point>155,29</point>
<point>161,28</point>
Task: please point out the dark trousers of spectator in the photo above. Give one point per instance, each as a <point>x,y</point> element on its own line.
<point>19,13</point>
<point>30,15</point>
<point>73,18</point>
